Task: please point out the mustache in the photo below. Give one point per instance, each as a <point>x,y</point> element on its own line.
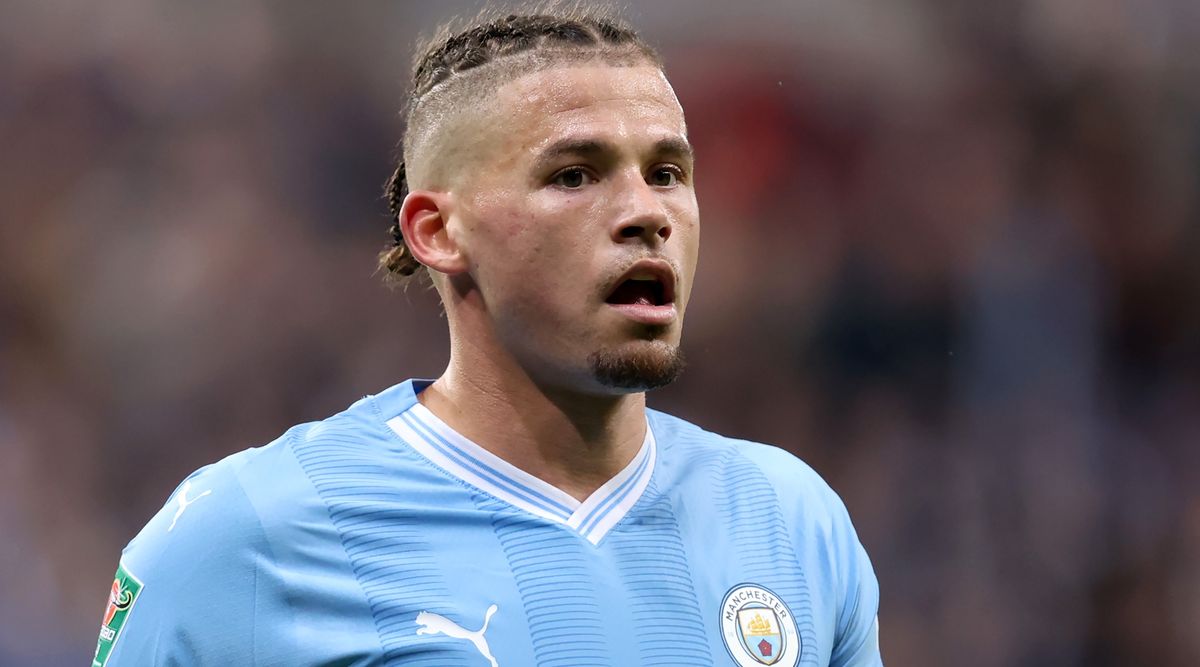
<point>627,264</point>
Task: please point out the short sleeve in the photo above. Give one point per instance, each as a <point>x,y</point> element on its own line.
<point>186,586</point>
<point>857,638</point>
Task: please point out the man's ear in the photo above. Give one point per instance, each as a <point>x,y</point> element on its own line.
<point>423,220</point>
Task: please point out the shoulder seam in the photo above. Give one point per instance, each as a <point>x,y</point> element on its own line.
<point>237,478</point>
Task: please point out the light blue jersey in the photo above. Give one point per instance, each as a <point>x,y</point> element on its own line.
<point>380,536</point>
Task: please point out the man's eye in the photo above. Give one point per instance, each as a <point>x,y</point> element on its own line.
<point>664,177</point>
<point>575,177</point>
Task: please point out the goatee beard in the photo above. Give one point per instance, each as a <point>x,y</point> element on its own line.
<point>649,366</point>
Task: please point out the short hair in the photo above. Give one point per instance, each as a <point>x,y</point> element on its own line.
<point>476,58</point>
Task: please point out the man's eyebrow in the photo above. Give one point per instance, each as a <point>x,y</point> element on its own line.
<point>676,147</point>
<point>574,146</point>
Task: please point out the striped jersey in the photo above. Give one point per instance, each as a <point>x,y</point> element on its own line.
<point>380,536</point>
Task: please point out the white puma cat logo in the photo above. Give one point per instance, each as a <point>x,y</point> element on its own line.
<point>184,503</point>
<point>432,624</point>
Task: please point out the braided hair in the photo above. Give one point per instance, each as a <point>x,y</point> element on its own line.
<point>574,33</point>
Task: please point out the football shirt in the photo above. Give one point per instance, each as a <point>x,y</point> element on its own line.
<point>380,536</point>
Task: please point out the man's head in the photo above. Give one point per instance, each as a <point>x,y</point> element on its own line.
<point>546,186</point>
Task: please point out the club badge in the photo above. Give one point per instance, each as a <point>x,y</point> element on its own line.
<point>758,628</point>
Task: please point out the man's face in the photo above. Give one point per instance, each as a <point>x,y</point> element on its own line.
<point>579,218</point>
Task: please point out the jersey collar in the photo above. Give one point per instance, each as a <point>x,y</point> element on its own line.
<point>471,463</point>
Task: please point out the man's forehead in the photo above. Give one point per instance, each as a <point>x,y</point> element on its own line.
<point>559,89</point>
<point>535,108</point>
<point>544,105</point>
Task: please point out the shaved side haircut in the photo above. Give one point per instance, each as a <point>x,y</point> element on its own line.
<point>458,70</point>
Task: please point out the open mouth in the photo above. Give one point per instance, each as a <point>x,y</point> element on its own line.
<point>646,292</point>
<point>641,291</point>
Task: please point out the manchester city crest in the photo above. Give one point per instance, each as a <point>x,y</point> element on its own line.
<point>758,628</point>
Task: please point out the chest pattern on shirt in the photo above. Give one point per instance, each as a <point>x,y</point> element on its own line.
<point>756,625</point>
<point>757,628</point>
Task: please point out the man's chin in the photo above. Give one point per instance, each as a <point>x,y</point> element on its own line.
<point>637,367</point>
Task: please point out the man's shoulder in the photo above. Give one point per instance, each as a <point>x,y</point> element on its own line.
<point>795,482</point>
<point>208,506</point>
<point>702,441</point>
<point>233,499</point>
<point>360,427</point>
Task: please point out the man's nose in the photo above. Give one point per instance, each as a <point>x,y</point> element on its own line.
<point>642,213</point>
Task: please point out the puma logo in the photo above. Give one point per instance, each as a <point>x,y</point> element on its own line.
<point>184,503</point>
<point>432,624</point>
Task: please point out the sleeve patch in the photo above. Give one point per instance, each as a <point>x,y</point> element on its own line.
<point>121,597</point>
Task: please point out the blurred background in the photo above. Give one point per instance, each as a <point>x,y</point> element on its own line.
<point>951,258</point>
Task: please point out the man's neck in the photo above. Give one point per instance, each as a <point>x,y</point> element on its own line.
<point>575,442</point>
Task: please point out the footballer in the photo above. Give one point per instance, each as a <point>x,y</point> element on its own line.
<point>525,507</point>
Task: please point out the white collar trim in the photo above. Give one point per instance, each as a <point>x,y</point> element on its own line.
<point>593,518</point>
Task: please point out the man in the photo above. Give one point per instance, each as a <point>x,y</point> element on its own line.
<point>525,508</point>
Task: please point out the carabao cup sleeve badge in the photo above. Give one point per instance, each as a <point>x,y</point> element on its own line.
<point>758,628</point>
<point>121,597</point>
